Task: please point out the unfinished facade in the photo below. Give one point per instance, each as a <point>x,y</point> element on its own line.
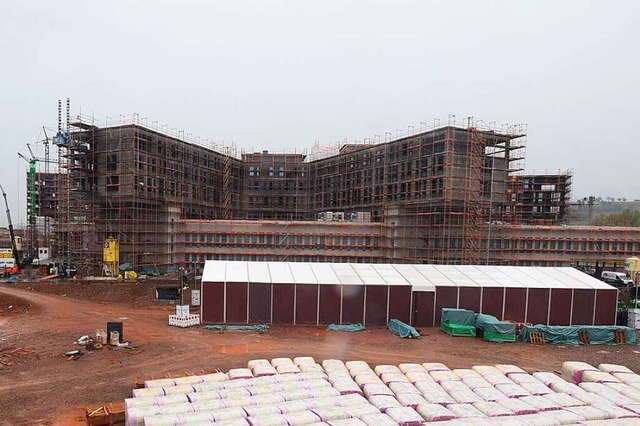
<point>428,196</point>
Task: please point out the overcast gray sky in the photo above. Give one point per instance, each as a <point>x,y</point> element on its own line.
<point>280,75</point>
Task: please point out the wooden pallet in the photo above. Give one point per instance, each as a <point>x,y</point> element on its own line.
<point>621,337</point>
<point>110,414</point>
<point>537,338</point>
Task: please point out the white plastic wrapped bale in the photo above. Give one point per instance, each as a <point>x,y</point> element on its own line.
<point>586,397</point>
<point>346,387</point>
<point>328,414</point>
<point>627,378</point>
<point>333,365</point>
<point>309,375</point>
<point>229,414</point>
<point>261,410</point>
<point>538,419</point>
<point>535,387</point>
<point>434,366</point>
<point>411,400</point>
<point>214,377</point>
<point>634,408</point>
<point>252,363</point>
<point>599,377</point>
<point>268,420</point>
<point>161,420</point>
<point>240,373</point>
<point>614,368</point>
<point>146,401</point>
<point>573,370</point>
<point>311,367</point>
<point>235,384</point>
<point>241,401</point>
<point>548,378</point>
<point>617,422</point>
<point>540,403</point>
<point>565,387</point>
<point>466,372</point>
<point>486,369</point>
<point>443,375</point>
<point>563,399</point>
<point>234,393</point>
<point>508,369</point>
<point>497,379</point>
<point>405,416</point>
<point>489,394</point>
<point>148,392</point>
<point>400,387</point>
<point>261,370</point>
<point>353,400</point>
<point>434,412</point>
<point>208,386</point>
<point>282,361</point>
<point>378,420</point>
<point>269,398</point>
<point>178,390</point>
<point>213,404</point>
<point>312,384</point>
<point>464,396</point>
<point>438,397</point>
<point>134,416</point>
<point>299,394</point>
<point>407,367</point>
<point>356,364</point>
<point>512,390</point>
<point>288,369</point>
<point>615,412</point>
<point>365,379</point>
<point>453,385</point>
<point>625,390</point>
<point>380,369</point>
<point>517,406</point>
<point>606,392</point>
<point>465,411</point>
<point>324,392</point>
<point>262,390</point>
<point>347,422</point>
<point>293,406</point>
<point>359,370</point>
<point>204,396</point>
<point>476,382</point>
<point>302,418</point>
<point>376,389</point>
<point>588,412</point>
<point>195,419</point>
<point>393,377</point>
<point>159,383</point>
<point>384,402</point>
<point>363,410</point>
<point>419,376</point>
<point>492,409</point>
<point>335,376</point>
<point>324,402</point>
<point>304,360</point>
<point>164,401</point>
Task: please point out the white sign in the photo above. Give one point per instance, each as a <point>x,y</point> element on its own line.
<point>195,297</point>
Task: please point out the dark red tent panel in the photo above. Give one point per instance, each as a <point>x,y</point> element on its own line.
<point>469,298</point>
<point>307,304</point>
<point>212,303</point>
<point>560,313</point>
<point>352,304</point>
<point>400,303</point>
<point>423,308</point>
<point>376,305</point>
<point>237,303</point>
<point>492,300</point>
<point>606,307</point>
<point>538,306</point>
<point>446,297</point>
<point>283,306</point>
<point>330,304</point>
<point>514,304</point>
<point>259,303</point>
<point>583,306</point>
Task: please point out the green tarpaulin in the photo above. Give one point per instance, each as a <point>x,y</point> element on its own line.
<point>458,330</point>
<point>345,327</point>
<point>495,330</point>
<point>458,316</point>
<point>403,330</point>
<point>569,335</point>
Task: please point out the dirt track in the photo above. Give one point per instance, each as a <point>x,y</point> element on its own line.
<point>40,386</point>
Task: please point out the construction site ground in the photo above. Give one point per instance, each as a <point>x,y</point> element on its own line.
<point>39,322</point>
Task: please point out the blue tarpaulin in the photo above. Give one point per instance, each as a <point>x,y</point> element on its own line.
<point>345,327</point>
<point>403,330</point>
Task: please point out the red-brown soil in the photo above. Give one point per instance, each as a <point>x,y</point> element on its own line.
<point>38,385</point>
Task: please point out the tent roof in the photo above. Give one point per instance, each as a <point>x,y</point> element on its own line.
<point>421,277</point>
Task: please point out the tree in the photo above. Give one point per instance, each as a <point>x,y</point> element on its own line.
<point>626,217</point>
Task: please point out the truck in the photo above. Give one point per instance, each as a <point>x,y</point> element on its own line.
<point>619,279</point>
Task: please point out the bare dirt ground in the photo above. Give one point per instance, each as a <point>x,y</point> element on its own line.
<point>38,385</point>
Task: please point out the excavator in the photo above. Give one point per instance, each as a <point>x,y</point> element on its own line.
<point>16,268</point>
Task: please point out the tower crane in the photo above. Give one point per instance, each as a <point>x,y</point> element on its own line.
<point>14,246</point>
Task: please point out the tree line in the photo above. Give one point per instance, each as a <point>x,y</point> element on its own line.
<point>626,217</point>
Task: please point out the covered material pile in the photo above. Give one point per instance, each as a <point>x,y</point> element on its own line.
<point>458,322</point>
<point>495,330</point>
<point>570,335</point>
<point>334,393</point>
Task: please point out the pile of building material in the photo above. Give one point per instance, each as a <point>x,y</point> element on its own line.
<point>458,322</point>
<point>301,391</point>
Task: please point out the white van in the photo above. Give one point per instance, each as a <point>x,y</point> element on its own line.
<point>616,278</point>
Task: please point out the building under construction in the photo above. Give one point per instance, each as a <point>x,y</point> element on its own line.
<point>434,196</point>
